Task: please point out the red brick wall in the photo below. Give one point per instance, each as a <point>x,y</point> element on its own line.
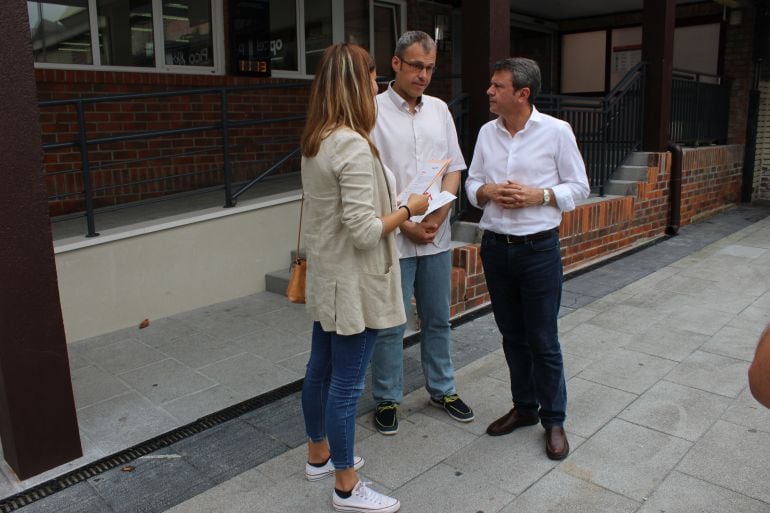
<point>711,181</point>
<point>115,165</point>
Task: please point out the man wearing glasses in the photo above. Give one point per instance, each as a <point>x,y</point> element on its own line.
<point>411,128</point>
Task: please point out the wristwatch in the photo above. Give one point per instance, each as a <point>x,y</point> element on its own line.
<point>546,197</point>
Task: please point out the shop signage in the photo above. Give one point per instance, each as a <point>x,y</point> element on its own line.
<point>250,37</point>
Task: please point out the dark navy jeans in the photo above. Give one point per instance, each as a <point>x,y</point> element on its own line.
<point>334,381</point>
<point>524,281</point>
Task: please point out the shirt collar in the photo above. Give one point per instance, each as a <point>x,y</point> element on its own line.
<point>534,117</point>
<point>399,102</point>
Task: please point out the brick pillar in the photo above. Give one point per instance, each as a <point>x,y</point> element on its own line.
<point>38,425</point>
<point>738,70</point>
<point>486,39</point>
<point>658,52</point>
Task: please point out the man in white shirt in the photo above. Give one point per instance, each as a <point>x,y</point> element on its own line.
<point>413,128</point>
<point>526,171</point>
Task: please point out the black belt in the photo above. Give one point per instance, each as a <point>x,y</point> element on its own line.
<point>521,239</point>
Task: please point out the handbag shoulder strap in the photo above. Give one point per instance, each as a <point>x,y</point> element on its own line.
<point>299,229</point>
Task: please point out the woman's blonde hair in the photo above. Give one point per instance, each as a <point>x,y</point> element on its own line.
<point>341,96</point>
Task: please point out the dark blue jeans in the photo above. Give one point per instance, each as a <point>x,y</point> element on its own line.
<point>334,381</point>
<point>524,282</point>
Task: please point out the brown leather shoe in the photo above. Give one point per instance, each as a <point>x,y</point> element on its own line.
<point>510,421</point>
<point>556,444</point>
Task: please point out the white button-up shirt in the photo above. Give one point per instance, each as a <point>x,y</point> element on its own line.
<point>544,154</point>
<point>404,139</point>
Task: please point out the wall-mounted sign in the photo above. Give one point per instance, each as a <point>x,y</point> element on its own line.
<point>250,37</point>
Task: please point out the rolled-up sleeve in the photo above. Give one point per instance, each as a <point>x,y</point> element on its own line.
<point>354,166</point>
<point>572,171</point>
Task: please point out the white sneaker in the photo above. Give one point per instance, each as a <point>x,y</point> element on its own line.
<point>365,500</point>
<point>315,473</point>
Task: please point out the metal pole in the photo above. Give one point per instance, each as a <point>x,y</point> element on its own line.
<point>229,201</point>
<point>88,191</point>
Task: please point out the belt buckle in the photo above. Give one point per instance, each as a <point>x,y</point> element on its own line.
<point>512,239</point>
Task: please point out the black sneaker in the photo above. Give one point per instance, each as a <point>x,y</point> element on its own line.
<point>386,418</point>
<point>455,407</point>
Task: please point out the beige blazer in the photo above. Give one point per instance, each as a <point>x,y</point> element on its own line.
<point>353,276</point>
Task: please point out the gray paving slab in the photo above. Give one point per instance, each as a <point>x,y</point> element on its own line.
<point>712,373</point>
<point>421,443</point>
<point>77,499</point>
<point>227,450</point>
<point>443,488</point>
<point>281,420</point>
<point>590,405</point>
<point>198,349</point>
<point>627,459</point>
<point>191,407</point>
<point>747,412</point>
<point>738,343</point>
<point>592,341</point>
<point>626,319</point>
<point>667,342</point>
<point>123,421</point>
<point>676,410</point>
<point>122,356</point>
<point>680,493</point>
<point>166,380</point>
<point>248,374</point>
<point>91,385</point>
<point>273,345</point>
<point>163,484</point>
<point>627,370</point>
<point>558,492</point>
<point>524,454</point>
<point>733,457</point>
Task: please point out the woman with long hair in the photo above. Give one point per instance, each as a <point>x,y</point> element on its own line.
<point>353,276</point>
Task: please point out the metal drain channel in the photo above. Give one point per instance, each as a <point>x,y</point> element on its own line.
<point>121,458</point>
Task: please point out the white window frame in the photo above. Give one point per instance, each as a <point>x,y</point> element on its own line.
<point>217,35</point>
<point>402,22</point>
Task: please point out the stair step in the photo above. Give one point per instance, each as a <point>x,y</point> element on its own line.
<point>630,172</point>
<point>621,187</point>
<point>277,281</point>
<point>638,158</point>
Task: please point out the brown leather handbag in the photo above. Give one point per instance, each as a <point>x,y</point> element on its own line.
<point>295,291</point>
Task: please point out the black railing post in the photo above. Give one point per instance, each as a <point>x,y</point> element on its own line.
<point>229,201</point>
<point>88,191</point>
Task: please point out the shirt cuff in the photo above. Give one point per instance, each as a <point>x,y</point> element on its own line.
<point>471,190</point>
<point>563,196</point>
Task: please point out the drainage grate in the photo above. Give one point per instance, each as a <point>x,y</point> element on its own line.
<point>90,470</point>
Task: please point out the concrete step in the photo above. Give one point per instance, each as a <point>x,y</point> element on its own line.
<point>621,187</point>
<point>277,281</point>
<point>631,173</point>
<point>638,158</point>
<point>464,232</point>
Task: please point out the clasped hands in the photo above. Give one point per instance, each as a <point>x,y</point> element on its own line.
<point>511,194</point>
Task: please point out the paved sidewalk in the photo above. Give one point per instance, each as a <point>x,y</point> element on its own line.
<point>656,346</point>
<point>660,418</point>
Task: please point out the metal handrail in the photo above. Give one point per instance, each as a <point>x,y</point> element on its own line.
<point>606,128</point>
<point>225,124</point>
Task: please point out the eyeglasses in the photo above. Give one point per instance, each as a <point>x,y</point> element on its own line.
<point>419,67</point>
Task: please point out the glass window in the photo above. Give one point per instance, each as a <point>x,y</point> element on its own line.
<point>61,31</point>
<point>318,32</point>
<point>357,22</point>
<point>283,35</point>
<point>187,33</point>
<point>126,32</point>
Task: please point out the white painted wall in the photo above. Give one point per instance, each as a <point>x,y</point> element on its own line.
<point>155,270</point>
